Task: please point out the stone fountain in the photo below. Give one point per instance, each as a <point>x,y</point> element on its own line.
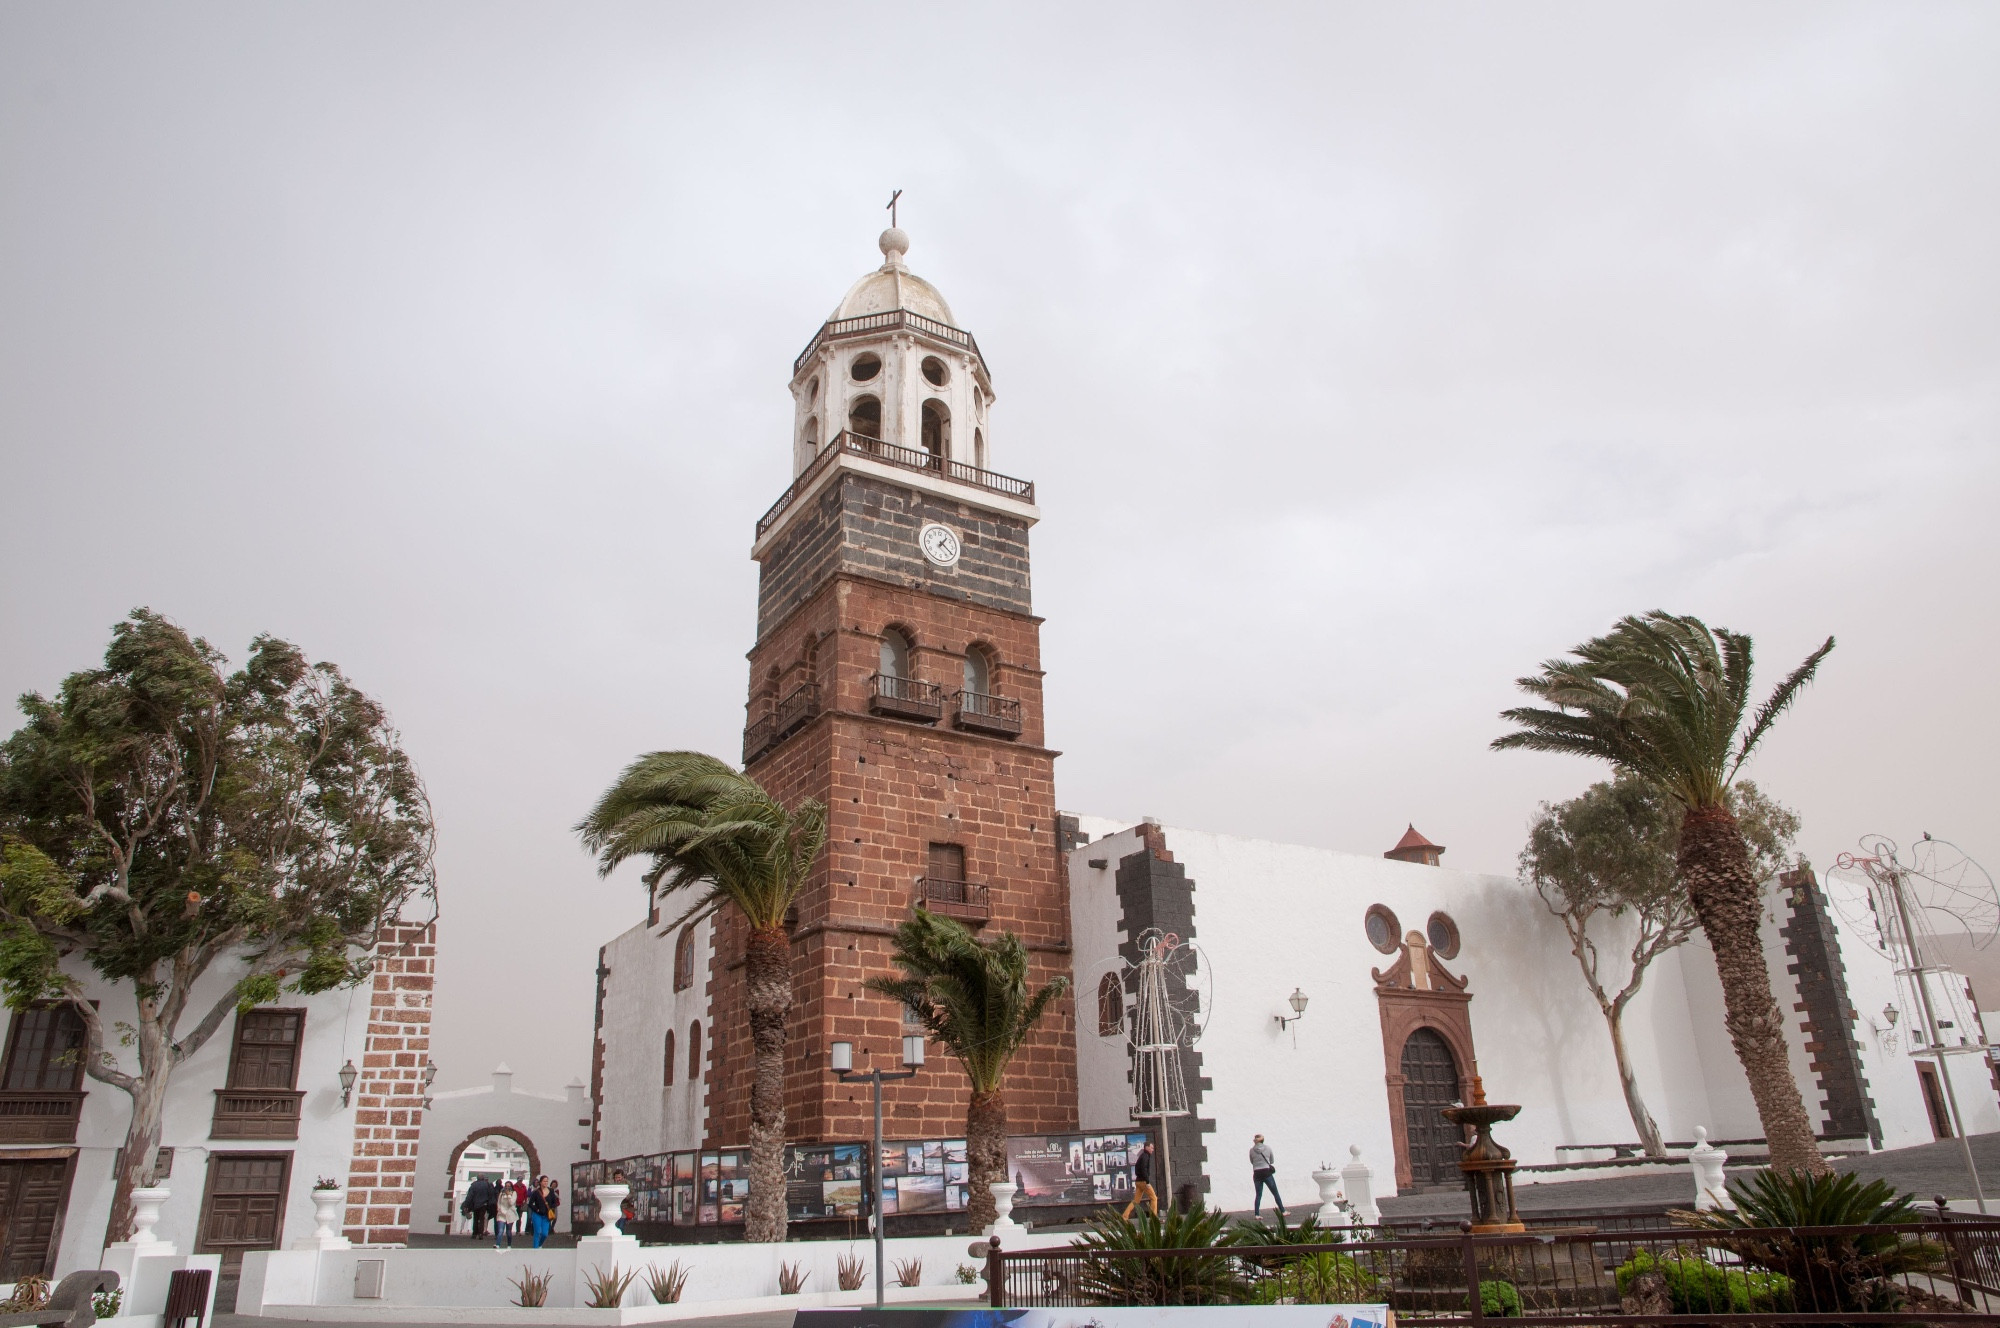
<point>1488,1167</point>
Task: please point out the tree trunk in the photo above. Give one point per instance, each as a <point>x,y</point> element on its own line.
<point>1715,865</point>
<point>1642,1119</point>
<point>768,971</point>
<point>985,1156</point>
<point>142,1137</point>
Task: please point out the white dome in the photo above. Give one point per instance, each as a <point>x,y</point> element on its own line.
<point>893,286</point>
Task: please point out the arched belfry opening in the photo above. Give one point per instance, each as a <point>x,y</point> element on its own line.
<point>864,417</point>
<point>937,430</point>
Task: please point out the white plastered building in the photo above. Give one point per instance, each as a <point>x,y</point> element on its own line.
<point>1416,977</point>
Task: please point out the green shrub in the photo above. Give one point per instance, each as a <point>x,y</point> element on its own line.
<point>1696,1286</point>
<point>1864,1271</point>
<point>1317,1279</point>
<point>1499,1300</point>
<point>1106,1279</point>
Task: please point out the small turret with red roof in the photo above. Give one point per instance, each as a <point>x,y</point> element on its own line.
<point>1413,847</point>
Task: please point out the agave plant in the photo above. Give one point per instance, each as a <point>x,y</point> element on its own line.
<point>909,1272</point>
<point>607,1289</point>
<point>1109,1275</point>
<point>667,1283</point>
<point>849,1272</point>
<point>1829,1272</point>
<point>533,1287</point>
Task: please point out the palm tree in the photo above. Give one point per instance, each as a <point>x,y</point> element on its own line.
<point>1664,698</point>
<point>972,996</point>
<point>713,830</point>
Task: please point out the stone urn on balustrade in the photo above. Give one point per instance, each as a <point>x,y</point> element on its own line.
<point>1488,1167</point>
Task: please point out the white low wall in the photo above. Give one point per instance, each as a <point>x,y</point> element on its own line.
<point>277,1281</point>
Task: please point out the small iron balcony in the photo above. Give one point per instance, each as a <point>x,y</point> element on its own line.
<point>979,713</point>
<point>905,698</point>
<point>790,715</point>
<point>964,900</point>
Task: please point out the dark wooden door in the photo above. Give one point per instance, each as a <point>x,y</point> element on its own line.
<point>32,1197</point>
<point>1934,1102</point>
<point>1430,1083</point>
<point>244,1209</point>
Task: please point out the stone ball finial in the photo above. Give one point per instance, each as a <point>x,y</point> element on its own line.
<point>894,244</point>
<point>1354,1151</point>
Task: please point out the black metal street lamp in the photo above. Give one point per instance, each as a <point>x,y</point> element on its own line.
<point>843,1070</point>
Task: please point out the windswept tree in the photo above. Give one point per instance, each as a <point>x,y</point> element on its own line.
<point>714,832</point>
<point>1666,698</point>
<point>972,996</point>
<point>1603,863</point>
<point>160,820</point>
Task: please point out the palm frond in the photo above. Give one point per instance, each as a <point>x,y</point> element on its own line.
<point>1780,701</point>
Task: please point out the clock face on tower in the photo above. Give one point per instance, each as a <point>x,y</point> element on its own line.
<point>940,544</point>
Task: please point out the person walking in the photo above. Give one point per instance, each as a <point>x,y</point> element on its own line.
<point>478,1205</point>
<point>1142,1182</point>
<point>505,1211</point>
<point>538,1212</point>
<point>555,1201</point>
<point>521,1207</point>
<point>1264,1174</point>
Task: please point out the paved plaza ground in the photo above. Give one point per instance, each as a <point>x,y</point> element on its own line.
<point>1928,1169</point>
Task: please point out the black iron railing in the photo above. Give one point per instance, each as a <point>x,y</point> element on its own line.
<point>1929,1272</point>
<point>905,698</point>
<point>986,714</point>
<point>965,900</point>
<point>906,458</point>
<point>837,329</point>
<point>786,718</point>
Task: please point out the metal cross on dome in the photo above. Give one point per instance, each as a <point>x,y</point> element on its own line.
<point>892,208</point>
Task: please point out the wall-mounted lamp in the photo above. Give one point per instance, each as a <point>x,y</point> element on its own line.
<point>430,1076</point>
<point>348,1074</point>
<point>1891,1013</point>
<point>1298,1003</point>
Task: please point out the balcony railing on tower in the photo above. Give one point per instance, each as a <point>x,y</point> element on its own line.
<point>980,713</point>
<point>964,900</point>
<point>786,718</point>
<point>891,320</point>
<point>905,698</point>
<point>904,458</point>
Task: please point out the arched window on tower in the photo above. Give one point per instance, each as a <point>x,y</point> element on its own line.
<point>1110,1006</point>
<point>864,417</point>
<point>694,1052</point>
<point>978,671</point>
<point>937,430</point>
<point>684,959</point>
<point>811,434</point>
<point>667,1075</point>
<point>979,448</point>
<point>895,654</point>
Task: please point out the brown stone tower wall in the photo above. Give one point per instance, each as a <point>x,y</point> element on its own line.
<point>389,1092</point>
<point>892,788</point>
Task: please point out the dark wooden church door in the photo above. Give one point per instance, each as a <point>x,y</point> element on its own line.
<point>1430,1083</point>
<point>33,1194</point>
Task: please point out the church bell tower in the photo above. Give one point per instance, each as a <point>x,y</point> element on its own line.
<point>897,678</point>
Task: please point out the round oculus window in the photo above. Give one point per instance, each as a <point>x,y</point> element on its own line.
<point>1442,933</point>
<point>940,544</point>
<point>865,367</point>
<point>1383,930</point>
<point>935,372</point>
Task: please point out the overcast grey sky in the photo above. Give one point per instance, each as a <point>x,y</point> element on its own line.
<point>1363,357</point>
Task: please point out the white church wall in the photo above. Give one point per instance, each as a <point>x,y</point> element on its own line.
<point>640,1113</point>
<point>1104,1091</point>
<point>557,1124</point>
<point>334,1031</point>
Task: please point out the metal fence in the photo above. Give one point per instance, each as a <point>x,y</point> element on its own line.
<point>1931,1272</point>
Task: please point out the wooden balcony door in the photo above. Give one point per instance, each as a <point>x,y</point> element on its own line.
<point>41,1078</point>
<point>33,1194</point>
<point>243,1208</point>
